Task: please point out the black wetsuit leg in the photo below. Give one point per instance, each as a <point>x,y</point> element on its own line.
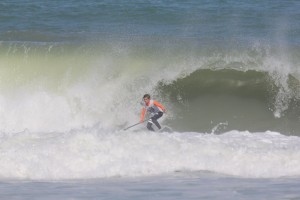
<point>154,120</point>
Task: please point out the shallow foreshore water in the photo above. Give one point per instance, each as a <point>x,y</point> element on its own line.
<point>196,185</point>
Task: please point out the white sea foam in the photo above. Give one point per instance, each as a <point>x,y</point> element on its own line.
<point>95,153</point>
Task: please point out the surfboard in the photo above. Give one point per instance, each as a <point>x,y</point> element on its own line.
<point>166,129</point>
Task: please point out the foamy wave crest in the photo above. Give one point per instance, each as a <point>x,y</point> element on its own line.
<point>91,153</point>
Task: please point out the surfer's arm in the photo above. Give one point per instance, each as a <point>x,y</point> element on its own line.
<point>159,105</point>
<point>143,114</point>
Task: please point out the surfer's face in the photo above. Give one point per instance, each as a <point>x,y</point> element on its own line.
<point>146,100</point>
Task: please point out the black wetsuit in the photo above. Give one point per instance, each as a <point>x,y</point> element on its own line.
<point>154,120</point>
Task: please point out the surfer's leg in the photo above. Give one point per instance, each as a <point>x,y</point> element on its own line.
<point>155,117</point>
<point>149,125</point>
<point>157,124</point>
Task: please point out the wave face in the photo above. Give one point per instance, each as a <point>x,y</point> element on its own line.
<point>229,99</point>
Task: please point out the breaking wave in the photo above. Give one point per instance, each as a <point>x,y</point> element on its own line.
<point>63,106</point>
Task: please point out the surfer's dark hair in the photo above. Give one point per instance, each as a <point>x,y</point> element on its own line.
<point>146,96</point>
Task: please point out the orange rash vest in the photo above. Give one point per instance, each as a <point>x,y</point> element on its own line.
<point>153,107</point>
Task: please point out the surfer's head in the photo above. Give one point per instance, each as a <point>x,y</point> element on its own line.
<point>146,98</point>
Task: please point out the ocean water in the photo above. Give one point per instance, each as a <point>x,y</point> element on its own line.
<point>72,75</point>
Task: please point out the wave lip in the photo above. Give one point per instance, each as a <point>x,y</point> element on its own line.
<point>90,153</point>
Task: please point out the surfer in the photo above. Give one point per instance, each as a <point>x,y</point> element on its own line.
<point>155,109</point>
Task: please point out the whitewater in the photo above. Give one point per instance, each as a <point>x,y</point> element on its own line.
<point>91,154</point>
